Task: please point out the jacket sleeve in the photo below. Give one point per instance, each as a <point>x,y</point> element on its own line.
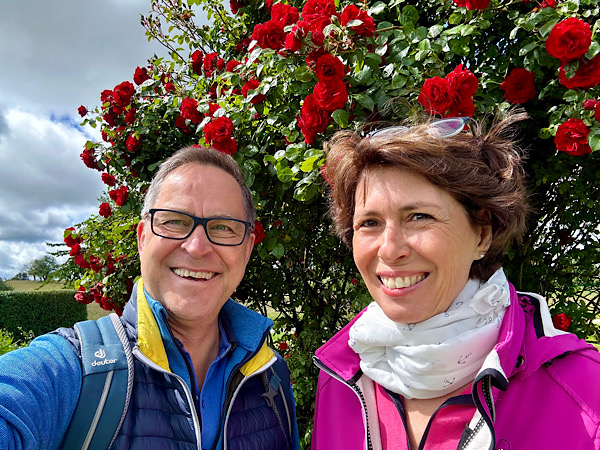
<point>39,388</point>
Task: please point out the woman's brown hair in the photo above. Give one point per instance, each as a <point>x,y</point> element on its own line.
<point>482,171</point>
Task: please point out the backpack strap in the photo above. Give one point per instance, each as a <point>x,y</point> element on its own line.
<point>107,369</point>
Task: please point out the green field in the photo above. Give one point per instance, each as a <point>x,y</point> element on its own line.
<point>93,309</point>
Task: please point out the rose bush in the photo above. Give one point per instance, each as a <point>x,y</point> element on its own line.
<point>270,82</point>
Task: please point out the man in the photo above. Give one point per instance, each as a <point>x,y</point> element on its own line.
<point>203,375</point>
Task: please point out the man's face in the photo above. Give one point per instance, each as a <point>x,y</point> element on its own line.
<point>193,278</point>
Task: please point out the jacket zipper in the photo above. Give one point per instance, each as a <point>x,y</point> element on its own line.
<point>355,389</point>
<point>143,358</point>
<point>236,392</point>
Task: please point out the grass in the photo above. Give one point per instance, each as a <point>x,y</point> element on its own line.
<point>94,311</point>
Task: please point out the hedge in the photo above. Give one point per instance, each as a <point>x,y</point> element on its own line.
<point>38,312</point>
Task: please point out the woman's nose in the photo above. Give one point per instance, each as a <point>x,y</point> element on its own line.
<point>394,245</point>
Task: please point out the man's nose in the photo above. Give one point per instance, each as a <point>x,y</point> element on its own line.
<point>197,243</point>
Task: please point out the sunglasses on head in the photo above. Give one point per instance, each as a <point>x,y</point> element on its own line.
<point>443,128</point>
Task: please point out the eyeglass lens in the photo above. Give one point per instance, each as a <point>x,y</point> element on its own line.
<point>176,225</point>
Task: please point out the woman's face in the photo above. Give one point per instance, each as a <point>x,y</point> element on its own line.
<point>413,244</point>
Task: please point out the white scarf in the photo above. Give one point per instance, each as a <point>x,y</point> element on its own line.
<point>439,355</point>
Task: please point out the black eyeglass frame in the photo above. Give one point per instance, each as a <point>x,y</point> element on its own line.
<point>435,125</point>
<point>200,221</point>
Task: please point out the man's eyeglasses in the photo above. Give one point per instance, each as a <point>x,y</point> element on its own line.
<point>179,225</point>
<point>443,128</point>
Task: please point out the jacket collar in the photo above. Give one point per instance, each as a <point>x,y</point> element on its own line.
<point>244,328</point>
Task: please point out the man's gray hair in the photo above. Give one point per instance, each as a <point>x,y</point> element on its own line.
<point>204,157</point>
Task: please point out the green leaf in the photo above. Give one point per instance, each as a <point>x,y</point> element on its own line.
<point>365,101</point>
<point>409,16</point>
<point>304,73</point>
<point>364,75</point>
<point>278,251</point>
<point>340,116</point>
<point>377,8</point>
<point>594,138</point>
<point>593,50</point>
<point>547,28</point>
<point>309,164</point>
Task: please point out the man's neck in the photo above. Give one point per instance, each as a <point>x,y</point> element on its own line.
<point>202,344</point>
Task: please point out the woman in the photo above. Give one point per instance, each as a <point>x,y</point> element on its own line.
<point>448,355</point>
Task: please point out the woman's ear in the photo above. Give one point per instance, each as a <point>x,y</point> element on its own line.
<point>485,231</point>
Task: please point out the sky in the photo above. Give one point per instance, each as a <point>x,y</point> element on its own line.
<point>56,55</point>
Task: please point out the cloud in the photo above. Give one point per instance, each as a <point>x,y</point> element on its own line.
<point>44,186</point>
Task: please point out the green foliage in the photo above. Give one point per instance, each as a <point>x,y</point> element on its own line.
<point>4,286</point>
<point>301,270</point>
<point>8,342</point>
<point>38,311</point>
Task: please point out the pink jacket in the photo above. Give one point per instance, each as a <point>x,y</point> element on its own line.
<point>543,387</point>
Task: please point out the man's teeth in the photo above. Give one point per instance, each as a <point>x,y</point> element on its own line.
<point>401,282</point>
<point>188,273</point>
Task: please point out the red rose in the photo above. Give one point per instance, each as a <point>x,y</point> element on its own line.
<point>283,346</point>
<point>213,62</point>
<point>218,133</point>
<point>586,77</point>
<point>462,82</point>
<point>329,68</point>
<point>232,65</point>
<point>81,261</point>
<point>87,156</point>
<point>259,232</point>
<point>548,4</point>
<point>473,4</point>
<point>253,84</point>
<point>70,238</point>
<point>235,6</point>
<point>189,110</point>
<point>293,40</point>
<point>331,95</point>
<point>312,119</point>
<point>169,87</point>
<point>354,281</point>
<point>319,8</point>
<point>75,250</point>
<point>590,104</point>
<point>105,210</point>
<point>569,40</point>
<point>366,28</point>
<point>284,14</point>
<point>197,59</point>
<point>180,123</point>
<point>571,137</point>
<point>82,297</point>
<point>269,35</point>
<point>212,108</point>
<point>561,321</point>
<point>109,180</point>
<point>122,94</point>
<point>130,116</point>
<point>133,143</point>
<point>140,75</point>
<point>597,112</point>
<point>518,86</point>
<point>82,110</point>
<point>119,195</point>
<point>436,96</point>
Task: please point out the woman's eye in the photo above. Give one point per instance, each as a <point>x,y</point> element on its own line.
<point>421,216</point>
<point>368,223</point>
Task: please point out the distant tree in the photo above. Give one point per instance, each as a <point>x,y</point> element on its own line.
<point>21,275</point>
<point>42,267</point>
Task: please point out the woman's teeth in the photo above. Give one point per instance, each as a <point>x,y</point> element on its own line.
<point>402,282</point>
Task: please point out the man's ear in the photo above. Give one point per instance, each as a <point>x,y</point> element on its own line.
<point>251,239</point>
<point>141,235</point>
